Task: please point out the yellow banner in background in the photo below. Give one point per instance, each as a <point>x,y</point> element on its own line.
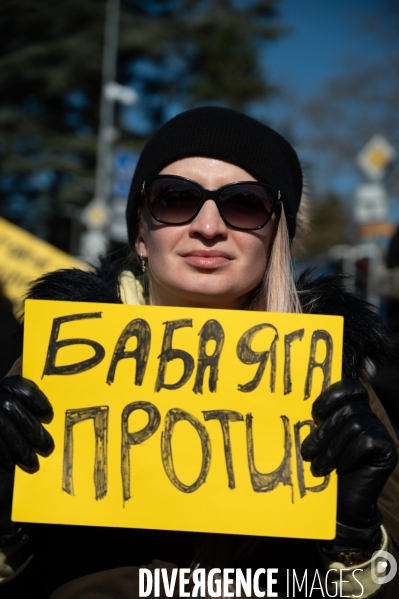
<point>179,418</point>
<point>24,258</point>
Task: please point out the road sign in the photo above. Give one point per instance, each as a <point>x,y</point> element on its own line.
<point>124,164</point>
<point>95,215</point>
<point>371,204</point>
<point>381,229</point>
<point>375,156</point>
<point>121,93</point>
<point>120,188</point>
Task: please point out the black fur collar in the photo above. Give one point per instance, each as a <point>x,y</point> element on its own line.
<point>365,336</point>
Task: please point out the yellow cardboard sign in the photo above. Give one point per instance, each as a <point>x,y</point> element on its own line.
<point>24,258</point>
<point>179,418</point>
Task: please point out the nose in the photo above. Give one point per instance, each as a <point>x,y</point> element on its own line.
<point>208,222</point>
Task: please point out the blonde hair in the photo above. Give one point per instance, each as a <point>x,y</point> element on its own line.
<point>277,292</point>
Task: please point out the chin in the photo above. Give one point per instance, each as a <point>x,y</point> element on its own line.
<point>214,298</point>
<point>202,291</point>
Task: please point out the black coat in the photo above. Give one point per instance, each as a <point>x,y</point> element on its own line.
<point>63,553</point>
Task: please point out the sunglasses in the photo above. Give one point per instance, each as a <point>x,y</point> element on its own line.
<point>246,205</point>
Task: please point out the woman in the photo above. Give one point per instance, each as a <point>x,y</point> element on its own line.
<point>211,215</point>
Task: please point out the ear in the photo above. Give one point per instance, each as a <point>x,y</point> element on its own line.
<point>140,245</point>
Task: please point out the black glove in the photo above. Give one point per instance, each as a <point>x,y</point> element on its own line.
<point>21,435</point>
<point>350,438</point>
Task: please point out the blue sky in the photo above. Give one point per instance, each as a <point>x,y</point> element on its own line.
<point>323,33</point>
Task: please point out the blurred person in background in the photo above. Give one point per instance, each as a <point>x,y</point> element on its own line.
<point>385,381</point>
<point>212,211</point>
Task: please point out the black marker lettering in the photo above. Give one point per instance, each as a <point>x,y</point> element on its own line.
<point>248,356</point>
<point>136,328</point>
<point>212,330</point>
<point>224,417</point>
<point>265,482</point>
<point>128,439</point>
<point>172,417</point>
<point>55,345</point>
<point>99,415</point>
<point>325,365</point>
<point>168,354</point>
<point>288,339</point>
<point>299,461</point>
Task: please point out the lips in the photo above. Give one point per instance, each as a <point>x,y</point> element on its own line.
<point>207,259</point>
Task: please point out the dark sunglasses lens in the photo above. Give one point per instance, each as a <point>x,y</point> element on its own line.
<point>173,201</point>
<point>247,206</point>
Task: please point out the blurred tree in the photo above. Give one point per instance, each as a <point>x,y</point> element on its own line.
<point>361,102</point>
<point>329,222</point>
<point>176,53</point>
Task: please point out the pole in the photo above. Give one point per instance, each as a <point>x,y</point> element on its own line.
<point>94,241</point>
<point>107,106</point>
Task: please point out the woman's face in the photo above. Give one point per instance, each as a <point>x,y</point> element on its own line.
<point>204,263</point>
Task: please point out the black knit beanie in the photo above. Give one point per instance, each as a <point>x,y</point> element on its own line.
<point>227,135</point>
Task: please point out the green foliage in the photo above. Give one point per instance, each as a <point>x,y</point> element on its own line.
<point>174,52</point>
<point>328,226</point>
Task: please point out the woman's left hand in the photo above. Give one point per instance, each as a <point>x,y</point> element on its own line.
<point>350,438</point>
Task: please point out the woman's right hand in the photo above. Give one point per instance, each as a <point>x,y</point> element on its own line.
<point>21,433</point>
